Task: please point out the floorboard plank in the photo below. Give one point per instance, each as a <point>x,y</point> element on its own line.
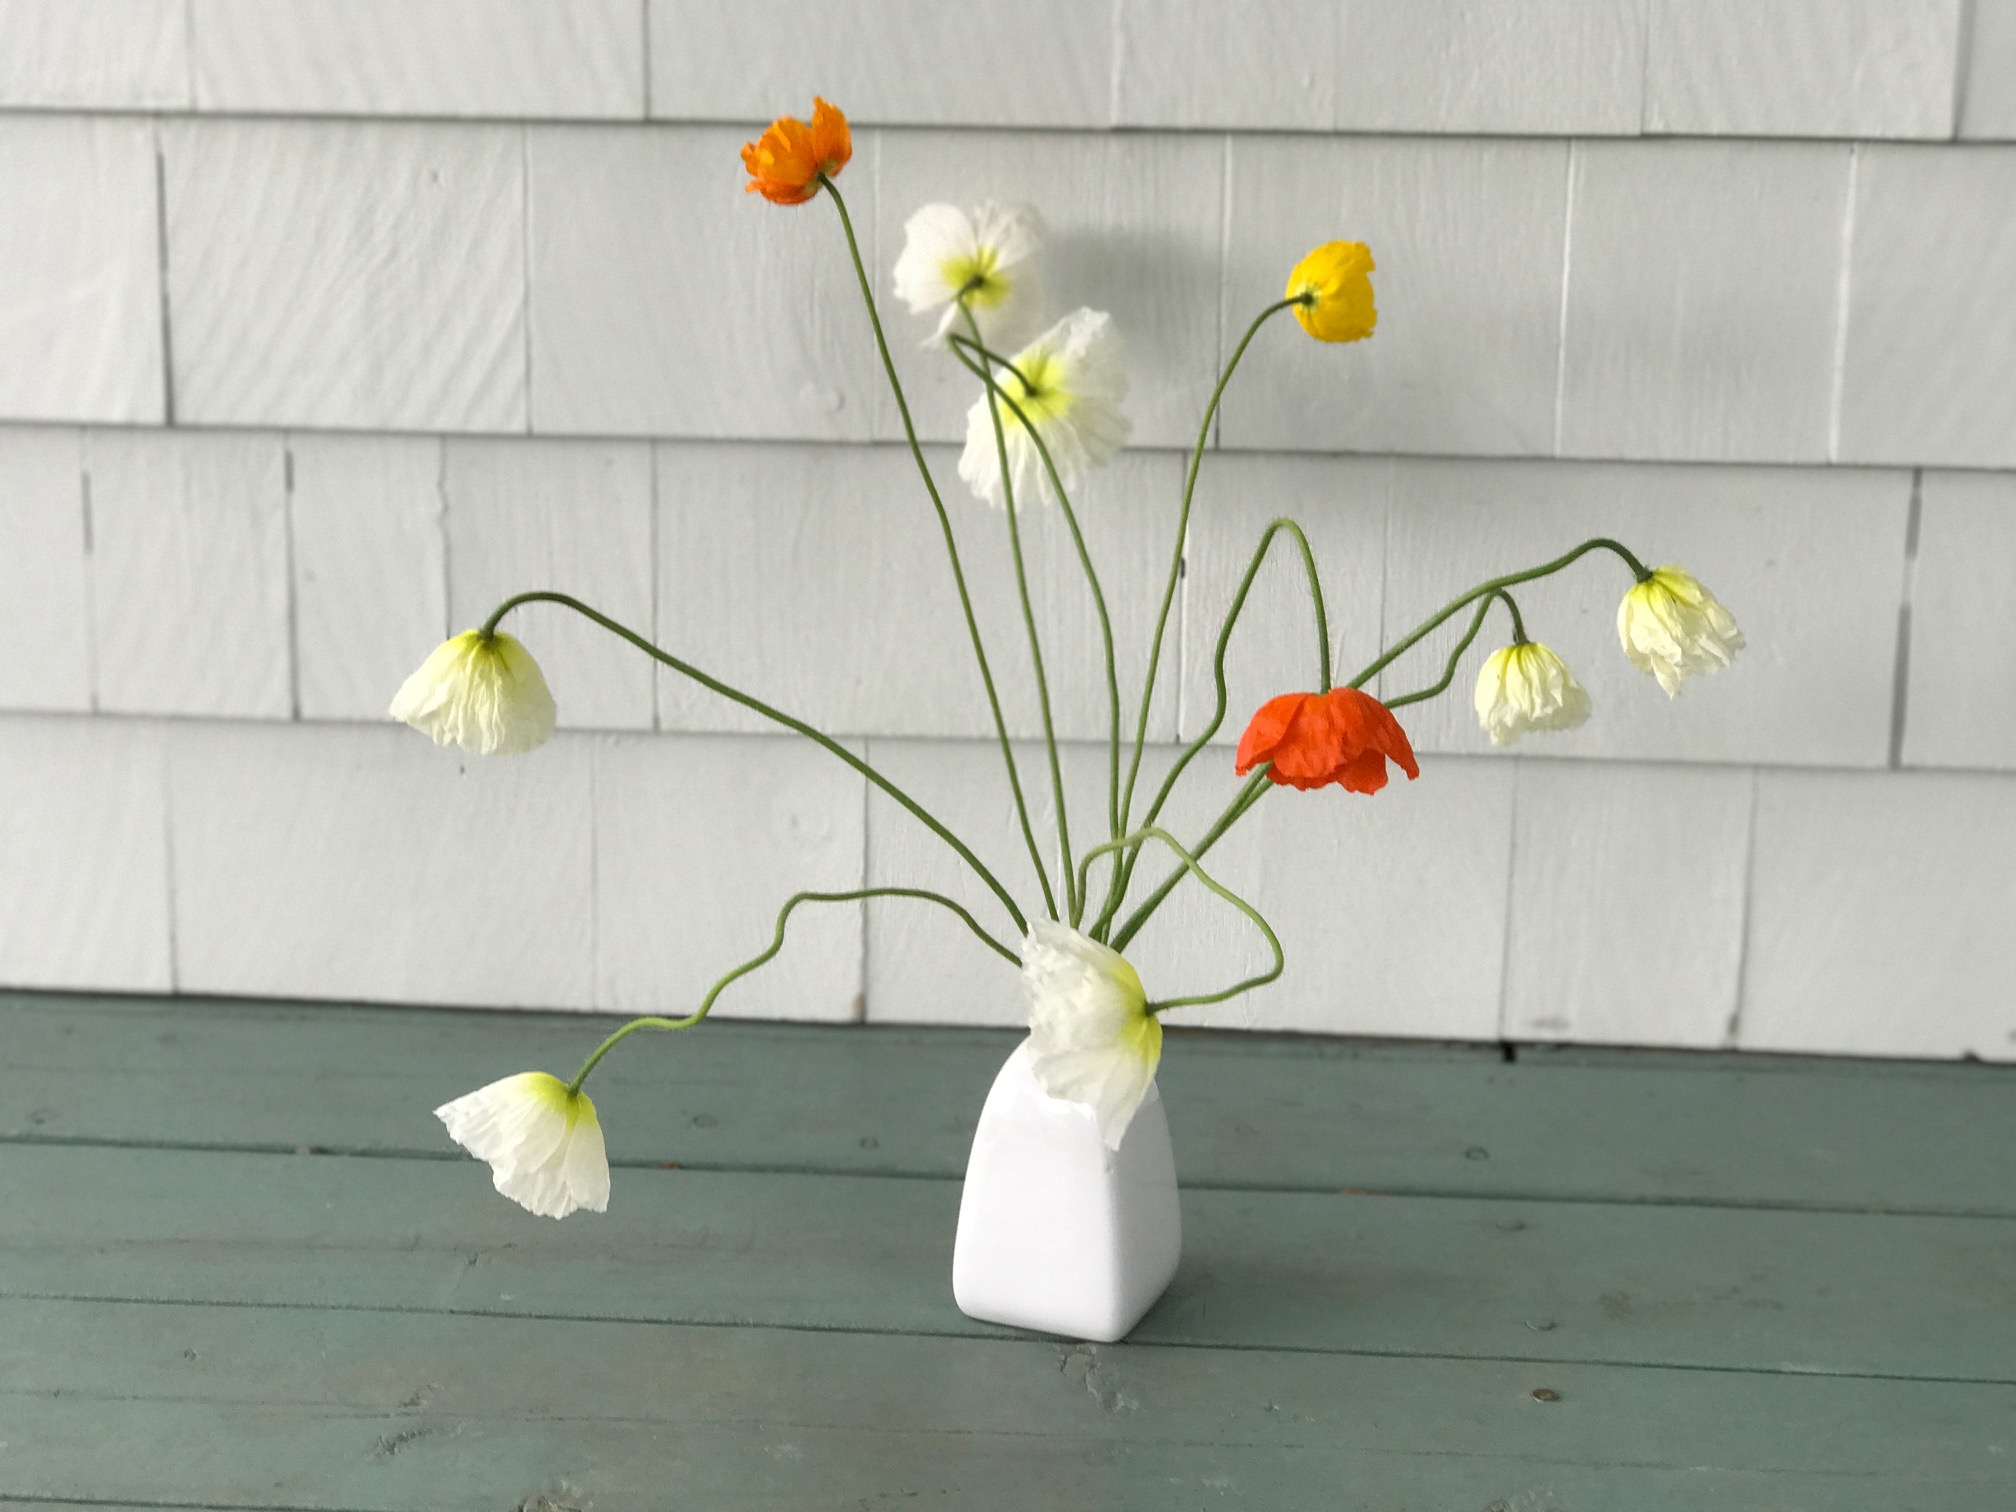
<point>1247,1110</point>
<point>261,1407</point>
<point>1706,1287</point>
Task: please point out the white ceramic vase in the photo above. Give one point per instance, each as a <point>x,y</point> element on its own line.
<point>1057,1232</point>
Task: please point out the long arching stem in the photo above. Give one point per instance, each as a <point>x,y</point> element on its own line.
<point>951,549</point>
<point>763,957</point>
<point>777,716</point>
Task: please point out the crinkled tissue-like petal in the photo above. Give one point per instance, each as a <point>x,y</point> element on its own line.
<point>484,695</point>
<point>1312,740</point>
<point>544,1147</point>
<point>1527,687</point>
<point>784,163</point>
<point>1092,1039</point>
<point>1673,628</point>
<point>1333,290</point>
<point>1076,381</point>
<point>986,257</point>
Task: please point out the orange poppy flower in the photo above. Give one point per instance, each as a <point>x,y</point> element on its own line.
<point>786,161</point>
<point>1314,739</point>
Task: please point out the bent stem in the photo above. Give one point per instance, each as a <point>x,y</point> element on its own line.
<point>777,716</point>
<point>1148,832</point>
<point>1469,635</point>
<point>951,550</point>
<point>1176,556</point>
<point>765,956</point>
<point>1071,904</point>
<point>1124,872</point>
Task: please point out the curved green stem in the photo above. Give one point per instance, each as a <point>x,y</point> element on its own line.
<point>1148,832</point>
<point>1124,873</point>
<point>1176,557</point>
<point>1456,655</point>
<point>777,716</point>
<point>1509,580</point>
<point>980,371</point>
<point>1243,801</point>
<point>951,548</point>
<point>769,954</point>
<point>1071,904</point>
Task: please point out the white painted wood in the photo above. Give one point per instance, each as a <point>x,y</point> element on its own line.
<point>536,58</point>
<point>699,840</point>
<point>80,271</point>
<point>370,568</point>
<point>665,301</point>
<point>1963,625</point>
<point>913,61</point>
<point>1242,64</point>
<point>1539,67</point>
<point>569,516</point>
<point>189,576</point>
<point>1468,238</point>
<point>361,862</point>
<point>1879,920</point>
<point>815,577</point>
<point>95,54</point>
<point>1703,291</point>
<point>1135,227</point>
<point>83,855</point>
<point>1988,93</point>
<point>1929,363</point>
<point>1808,68</point>
<point>1811,564</point>
<point>347,275</point>
<point>1628,887</point>
<point>45,608</point>
<point>1391,908</point>
<point>1341,503</point>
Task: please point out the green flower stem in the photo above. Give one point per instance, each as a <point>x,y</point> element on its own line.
<point>1449,671</point>
<point>1176,557</point>
<point>777,716</point>
<point>1482,590</point>
<point>1134,842</point>
<point>1244,800</point>
<point>765,956</point>
<point>1124,872</point>
<point>951,550</point>
<point>1071,904</point>
<point>1251,794</point>
<point>979,370</point>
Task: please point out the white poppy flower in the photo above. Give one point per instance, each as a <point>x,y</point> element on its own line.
<point>544,1147</point>
<point>1092,1039</point>
<point>1527,687</point>
<point>487,696</point>
<point>1069,382</point>
<point>984,257</point>
<point>1672,627</point>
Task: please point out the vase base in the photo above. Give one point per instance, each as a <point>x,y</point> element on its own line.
<point>1057,1233</point>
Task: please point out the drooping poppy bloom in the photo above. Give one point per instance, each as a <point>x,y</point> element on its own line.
<point>1527,687</point>
<point>1092,1039</point>
<point>1313,739</point>
<point>786,161</point>
<point>483,693</point>
<point>1333,292</point>
<point>1673,628</point>
<point>1069,383</point>
<point>543,1143</point>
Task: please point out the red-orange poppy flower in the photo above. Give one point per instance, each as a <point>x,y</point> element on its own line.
<point>1314,739</point>
<point>786,161</point>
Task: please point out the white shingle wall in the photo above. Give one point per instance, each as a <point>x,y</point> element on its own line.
<point>324,325</point>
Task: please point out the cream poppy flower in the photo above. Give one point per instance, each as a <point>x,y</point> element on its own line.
<point>1092,1039</point>
<point>544,1147</point>
<point>1527,687</point>
<point>984,257</point>
<point>487,696</point>
<point>1069,382</point>
<point>1672,627</point>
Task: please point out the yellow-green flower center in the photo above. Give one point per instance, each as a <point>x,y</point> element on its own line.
<point>975,275</point>
<point>1037,387</point>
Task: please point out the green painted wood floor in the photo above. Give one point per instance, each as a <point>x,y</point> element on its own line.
<point>243,1268</point>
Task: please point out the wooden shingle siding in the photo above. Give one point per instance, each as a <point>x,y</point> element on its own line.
<point>324,324</point>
